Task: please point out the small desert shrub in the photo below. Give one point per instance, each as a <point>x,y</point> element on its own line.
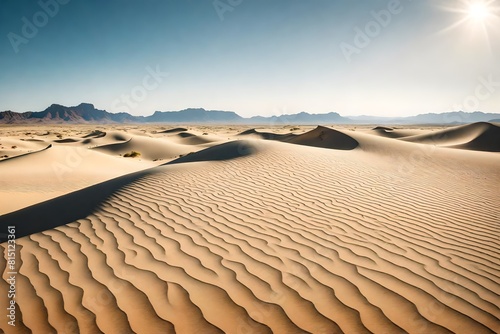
<point>14,147</point>
<point>294,129</point>
<point>132,154</point>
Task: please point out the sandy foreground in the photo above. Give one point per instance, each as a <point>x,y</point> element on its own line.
<point>219,229</point>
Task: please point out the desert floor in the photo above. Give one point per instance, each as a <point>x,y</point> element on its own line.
<point>235,229</point>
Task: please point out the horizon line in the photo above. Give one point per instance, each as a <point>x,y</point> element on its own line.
<point>232,111</point>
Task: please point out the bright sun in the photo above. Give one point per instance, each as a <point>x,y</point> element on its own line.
<point>476,14</point>
<point>478,20</point>
<point>478,11</point>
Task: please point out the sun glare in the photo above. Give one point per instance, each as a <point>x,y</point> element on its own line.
<point>479,17</point>
<point>478,11</point>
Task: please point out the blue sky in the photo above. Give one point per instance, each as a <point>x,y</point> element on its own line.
<point>254,57</point>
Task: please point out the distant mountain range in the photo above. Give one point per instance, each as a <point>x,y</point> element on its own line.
<point>87,113</point>
<point>83,113</point>
<point>453,117</point>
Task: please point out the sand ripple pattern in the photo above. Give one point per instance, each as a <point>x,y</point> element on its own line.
<point>300,240</point>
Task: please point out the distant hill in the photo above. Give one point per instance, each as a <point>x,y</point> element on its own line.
<point>192,115</point>
<point>87,113</point>
<point>301,118</point>
<point>453,117</point>
<point>456,117</point>
<point>56,113</point>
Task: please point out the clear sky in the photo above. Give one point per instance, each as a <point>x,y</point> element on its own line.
<point>254,57</point>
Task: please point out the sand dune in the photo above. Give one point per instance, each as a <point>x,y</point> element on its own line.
<point>100,138</point>
<point>21,153</point>
<point>174,130</point>
<point>253,133</point>
<point>10,147</point>
<point>158,148</point>
<point>57,170</point>
<point>187,138</point>
<point>106,138</point>
<point>366,234</point>
<point>95,134</point>
<point>326,138</point>
<point>149,148</point>
<point>226,151</point>
<point>319,137</point>
<point>78,160</point>
<point>477,136</point>
<point>94,138</point>
<point>394,133</point>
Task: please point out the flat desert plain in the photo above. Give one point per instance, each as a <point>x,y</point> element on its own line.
<point>219,229</point>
